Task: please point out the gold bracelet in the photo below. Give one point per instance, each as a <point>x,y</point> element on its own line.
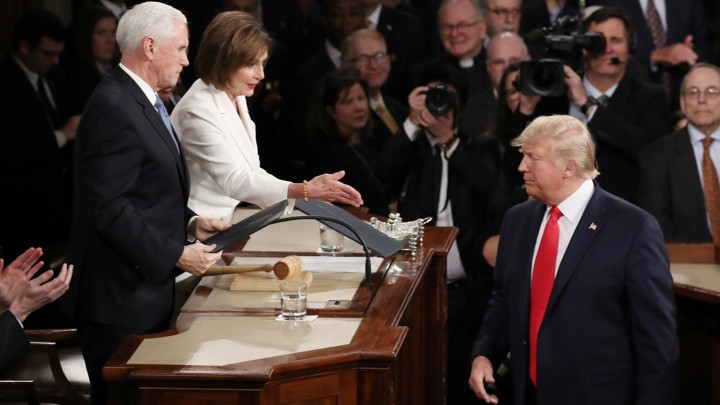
<point>305,190</point>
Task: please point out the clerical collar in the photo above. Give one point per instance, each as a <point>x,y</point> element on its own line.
<point>467,63</point>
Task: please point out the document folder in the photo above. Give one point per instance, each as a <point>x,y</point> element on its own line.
<point>247,226</point>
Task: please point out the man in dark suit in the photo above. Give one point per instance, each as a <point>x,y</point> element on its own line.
<point>36,132</point>
<point>365,50</point>
<point>404,39</point>
<point>671,179</point>
<point>687,37</point>
<point>583,295</point>
<point>449,176</point>
<point>132,224</point>
<point>20,295</point>
<point>624,114</point>
<point>503,50</point>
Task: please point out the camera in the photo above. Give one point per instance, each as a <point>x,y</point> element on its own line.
<point>562,45</point>
<point>439,99</point>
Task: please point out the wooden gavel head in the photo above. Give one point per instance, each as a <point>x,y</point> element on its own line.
<point>287,267</point>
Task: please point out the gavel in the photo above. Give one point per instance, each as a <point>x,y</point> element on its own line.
<point>286,267</point>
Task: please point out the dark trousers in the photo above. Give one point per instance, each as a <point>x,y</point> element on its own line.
<point>98,343</point>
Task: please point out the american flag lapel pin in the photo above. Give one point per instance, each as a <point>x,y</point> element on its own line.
<point>592,226</point>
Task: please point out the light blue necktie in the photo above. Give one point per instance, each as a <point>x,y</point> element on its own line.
<point>164,115</point>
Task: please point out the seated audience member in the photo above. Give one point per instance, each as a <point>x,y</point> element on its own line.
<point>404,38</point>
<point>218,135</point>
<point>504,49</point>
<point>339,127</point>
<point>36,130</point>
<point>680,40</point>
<point>462,33</point>
<point>340,18</point>
<point>449,176</point>
<point>20,295</point>
<point>91,51</point>
<point>365,50</point>
<point>678,175</point>
<point>624,114</point>
<point>502,16</point>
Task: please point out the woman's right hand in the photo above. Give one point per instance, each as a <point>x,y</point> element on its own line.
<point>328,187</point>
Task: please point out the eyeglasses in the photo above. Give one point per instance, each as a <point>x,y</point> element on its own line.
<point>504,13</point>
<point>50,54</point>
<point>462,27</point>
<point>693,93</point>
<point>502,63</point>
<point>364,60</point>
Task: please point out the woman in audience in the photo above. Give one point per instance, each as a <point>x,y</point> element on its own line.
<point>340,125</point>
<point>91,51</point>
<point>218,136</point>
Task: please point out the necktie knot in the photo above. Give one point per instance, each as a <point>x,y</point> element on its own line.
<point>603,100</point>
<point>707,141</point>
<point>555,213</point>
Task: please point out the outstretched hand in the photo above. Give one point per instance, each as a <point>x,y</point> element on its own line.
<point>15,277</point>
<point>327,187</point>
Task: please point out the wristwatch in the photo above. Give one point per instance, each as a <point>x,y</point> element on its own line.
<point>589,103</point>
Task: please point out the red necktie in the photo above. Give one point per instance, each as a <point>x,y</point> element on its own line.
<point>712,190</point>
<point>542,282</point>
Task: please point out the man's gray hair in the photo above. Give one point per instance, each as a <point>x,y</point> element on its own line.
<point>475,3</point>
<point>149,19</point>
<point>570,140</point>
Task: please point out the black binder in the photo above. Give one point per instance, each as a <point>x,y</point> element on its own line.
<point>247,226</point>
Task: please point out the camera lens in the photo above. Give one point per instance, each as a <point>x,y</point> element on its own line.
<point>439,100</point>
<point>543,78</point>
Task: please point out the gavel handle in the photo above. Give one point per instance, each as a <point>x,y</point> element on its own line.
<point>245,268</point>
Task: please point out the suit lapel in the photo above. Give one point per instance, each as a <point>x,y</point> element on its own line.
<point>153,117</point>
<point>590,225</point>
<point>687,183</point>
<point>533,222</point>
<point>236,128</point>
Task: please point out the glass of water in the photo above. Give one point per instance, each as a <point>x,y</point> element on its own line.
<point>330,240</point>
<point>293,300</point>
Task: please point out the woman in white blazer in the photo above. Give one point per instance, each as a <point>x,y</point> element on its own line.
<point>218,136</point>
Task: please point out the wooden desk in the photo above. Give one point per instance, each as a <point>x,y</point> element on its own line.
<point>396,356</point>
<point>696,278</point>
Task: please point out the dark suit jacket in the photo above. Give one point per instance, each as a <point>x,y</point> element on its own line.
<point>637,114</point>
<point>130,227</point>
<point>33,169</point>
<point>473,173</point>
<point>404,38</point>
<point>479,113</point>
<point>13,343</point>
<point>671,189</point>
<point>381,133</point>
<point>477,76</point>
<point>609,333</point>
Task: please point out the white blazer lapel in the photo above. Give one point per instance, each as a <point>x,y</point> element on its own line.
<point>237,128</point>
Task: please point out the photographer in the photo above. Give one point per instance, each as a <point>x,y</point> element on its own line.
<point>624,114</point>
<point>449,176</point>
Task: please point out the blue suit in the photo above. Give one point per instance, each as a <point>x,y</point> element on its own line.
<point>609,334</point>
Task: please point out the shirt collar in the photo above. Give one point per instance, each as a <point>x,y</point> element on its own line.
<point>592,91</point>
<point>696,136</point>
<point>32,76</point>
<point>114,8</point>
<point>333,53</point>
<point>146,89</point>
<point>574,206</point>
<point>374,17</point>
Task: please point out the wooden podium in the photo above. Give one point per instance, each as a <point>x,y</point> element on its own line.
<point>395,354</point>
<point>696,284</point>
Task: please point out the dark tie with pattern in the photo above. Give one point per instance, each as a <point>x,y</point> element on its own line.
<point>603,100</point>
<point>166,120</point>
<point>543,278</point>
<point>659,38</point>
<point>712,190</point>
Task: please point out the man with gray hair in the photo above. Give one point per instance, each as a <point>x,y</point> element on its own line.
<point>583,293</point>
<point>132,223</point>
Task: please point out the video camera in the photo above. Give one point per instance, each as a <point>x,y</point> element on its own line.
<point>562,45</point>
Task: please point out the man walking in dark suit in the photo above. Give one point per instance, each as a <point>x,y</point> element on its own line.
<point>132,222</point>
<point>583,293</point>
<point>624,114</point>
<point>675,184</point>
